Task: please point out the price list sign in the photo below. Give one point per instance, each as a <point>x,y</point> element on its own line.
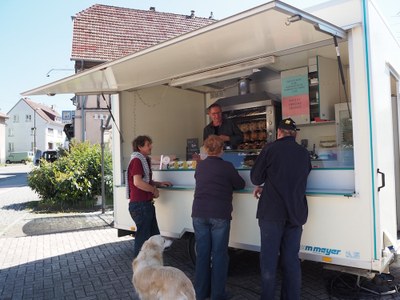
<point>192,147</point>
<point>295,95</point>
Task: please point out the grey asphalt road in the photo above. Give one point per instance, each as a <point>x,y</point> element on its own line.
<point>13,175</point>
<point>80,256</point>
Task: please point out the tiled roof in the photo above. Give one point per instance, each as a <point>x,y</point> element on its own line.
<point>104,33</point>
<point>46,112</point>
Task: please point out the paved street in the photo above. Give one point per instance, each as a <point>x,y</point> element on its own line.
<point>79,256</point>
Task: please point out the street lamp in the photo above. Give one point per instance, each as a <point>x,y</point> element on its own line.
<point>51,70</point>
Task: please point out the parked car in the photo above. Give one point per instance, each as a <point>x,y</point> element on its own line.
<point>20,157</point>
<point>50,155</point>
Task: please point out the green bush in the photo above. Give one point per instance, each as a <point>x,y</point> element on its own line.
<point>73,180</point>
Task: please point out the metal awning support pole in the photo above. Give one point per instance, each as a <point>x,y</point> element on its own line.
<point>339,60</point>
<point>103,191</point>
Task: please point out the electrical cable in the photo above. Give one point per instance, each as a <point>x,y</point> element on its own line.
<point>112,116</point>
<point>348,286</point>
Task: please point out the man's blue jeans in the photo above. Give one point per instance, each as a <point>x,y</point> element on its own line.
<point>144,215</point>
<point>280,240</point>
<point>212,259</point>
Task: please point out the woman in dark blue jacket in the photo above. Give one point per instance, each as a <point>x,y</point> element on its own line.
<point>212,214</point>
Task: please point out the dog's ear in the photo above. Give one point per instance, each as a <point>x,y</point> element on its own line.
<point>152,246</point>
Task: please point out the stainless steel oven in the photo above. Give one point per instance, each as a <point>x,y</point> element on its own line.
<point>257,116</point>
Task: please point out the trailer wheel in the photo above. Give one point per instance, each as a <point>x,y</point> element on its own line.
<point>8,161</point>
<point>192,248</point>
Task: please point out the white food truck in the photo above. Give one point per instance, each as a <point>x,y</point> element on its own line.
<point>345,100</point>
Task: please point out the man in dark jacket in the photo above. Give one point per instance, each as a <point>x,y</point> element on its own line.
<point>283,167</point>
<point>224,128</point>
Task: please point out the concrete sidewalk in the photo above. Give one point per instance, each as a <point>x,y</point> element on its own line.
<point>62,255</point>
<point>89,264</point>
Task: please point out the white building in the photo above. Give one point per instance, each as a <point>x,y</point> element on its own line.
<point>3,118</point>
<point>32,126</point>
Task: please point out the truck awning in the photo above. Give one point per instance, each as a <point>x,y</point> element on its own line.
<point>250,39</point>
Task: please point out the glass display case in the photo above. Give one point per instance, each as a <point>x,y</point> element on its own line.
<point>344,135</point>
<point>241,159</point>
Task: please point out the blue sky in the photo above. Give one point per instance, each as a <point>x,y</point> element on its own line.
<point>37,35</point>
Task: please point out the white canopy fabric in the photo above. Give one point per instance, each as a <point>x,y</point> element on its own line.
<point>271,29</point>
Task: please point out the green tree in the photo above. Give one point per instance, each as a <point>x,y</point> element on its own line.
<point>74,180</point>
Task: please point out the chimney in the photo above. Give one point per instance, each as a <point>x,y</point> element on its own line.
<point>192,14</point>
<point>152,8</point>
<point>211,16</point>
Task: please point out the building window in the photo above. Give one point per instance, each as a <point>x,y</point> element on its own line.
<point>50,131</point>
<point>28,118</point>
<point>10,131</point>
<point>15,118</point>
<point>10,147</point>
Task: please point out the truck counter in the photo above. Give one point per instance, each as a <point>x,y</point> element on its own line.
<point>328,181</point>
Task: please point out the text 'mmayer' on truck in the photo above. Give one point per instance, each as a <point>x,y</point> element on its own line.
<point>346,106</point>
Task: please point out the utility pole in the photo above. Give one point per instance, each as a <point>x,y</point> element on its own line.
<point>34,131</point>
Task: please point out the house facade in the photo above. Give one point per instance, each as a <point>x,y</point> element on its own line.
<point>32,126</point>
<point>103,33</point>
<point>3,118</point>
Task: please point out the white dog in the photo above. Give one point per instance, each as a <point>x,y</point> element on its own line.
<point>153,280</point>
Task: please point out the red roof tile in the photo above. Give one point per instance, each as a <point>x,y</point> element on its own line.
<point>46,112</point>
<point>104,33</point>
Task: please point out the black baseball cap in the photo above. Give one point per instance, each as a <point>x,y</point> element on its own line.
<point>288,124</point>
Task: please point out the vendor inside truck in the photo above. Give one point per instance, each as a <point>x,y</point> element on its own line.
<point>224,128</point>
